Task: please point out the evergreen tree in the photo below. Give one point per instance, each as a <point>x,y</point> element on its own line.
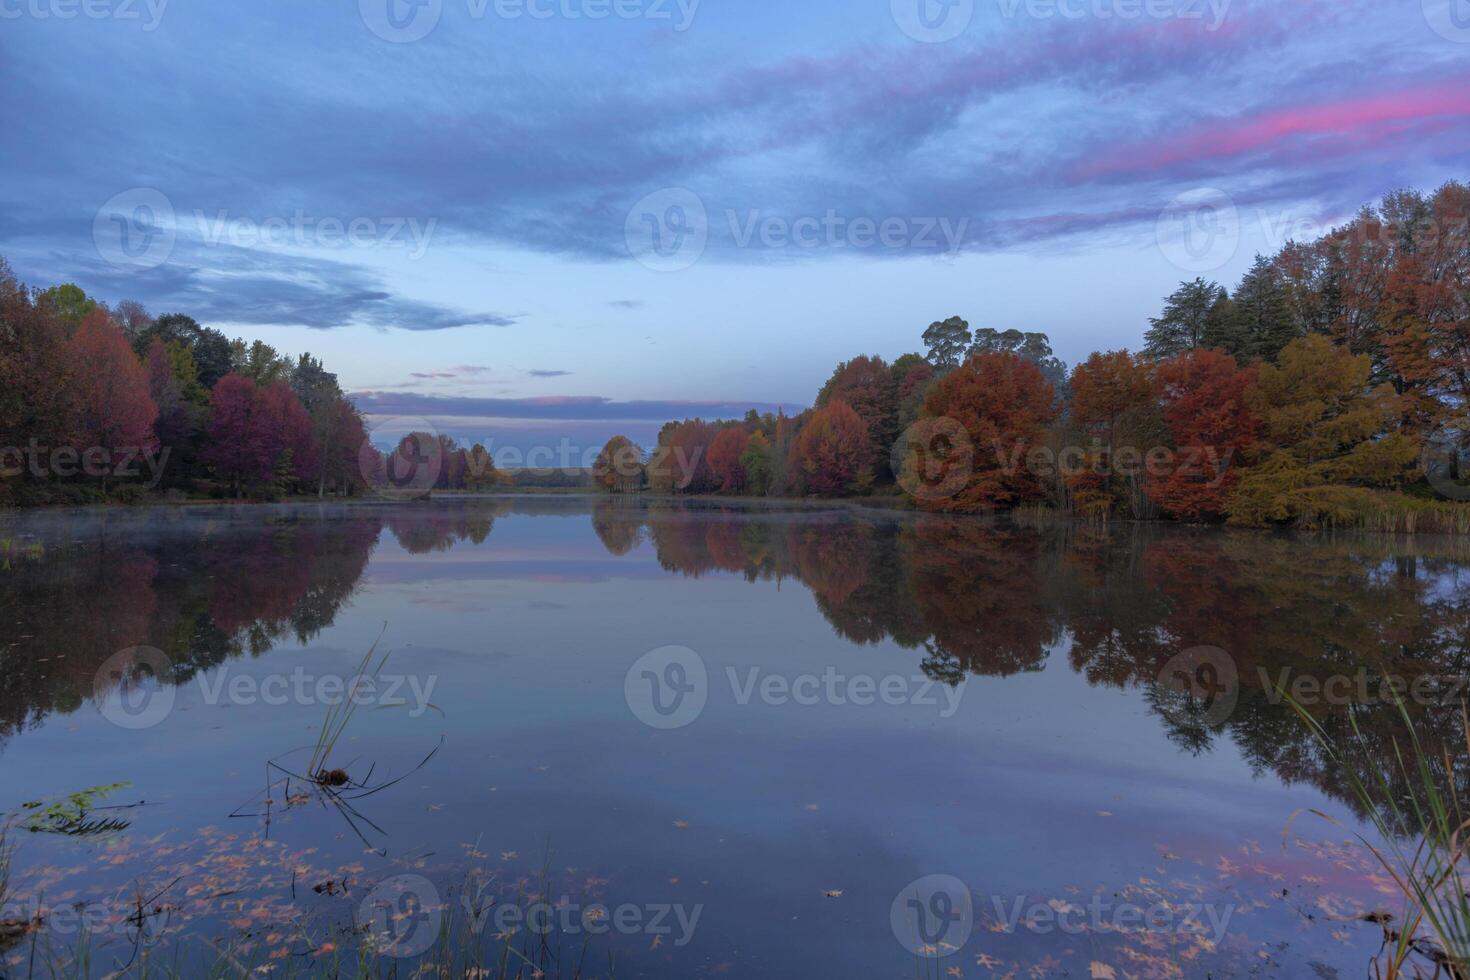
<point>1185,320</point>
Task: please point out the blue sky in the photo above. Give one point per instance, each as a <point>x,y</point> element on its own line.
<point>516,216</point>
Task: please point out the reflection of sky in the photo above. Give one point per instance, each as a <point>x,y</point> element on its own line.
<point>529,636</point>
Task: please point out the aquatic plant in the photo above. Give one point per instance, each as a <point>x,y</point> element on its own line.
<point>1422,841</point>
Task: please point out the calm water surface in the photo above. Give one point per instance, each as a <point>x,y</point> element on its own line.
<point>863,699</point>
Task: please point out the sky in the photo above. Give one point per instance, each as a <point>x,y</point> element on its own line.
<point>530,221</point>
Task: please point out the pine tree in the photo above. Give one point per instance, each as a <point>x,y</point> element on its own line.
<point>1185,321</point>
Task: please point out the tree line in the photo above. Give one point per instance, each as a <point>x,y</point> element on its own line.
<point>1330,387</point>
<point>104,403</point>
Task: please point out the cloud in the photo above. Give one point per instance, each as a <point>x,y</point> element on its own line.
<point>231,284</point>
<point>626,304</point>
<point>543,373</point>
<point>551,408</point>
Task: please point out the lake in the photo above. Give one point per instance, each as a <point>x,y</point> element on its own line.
<point>687,739</point>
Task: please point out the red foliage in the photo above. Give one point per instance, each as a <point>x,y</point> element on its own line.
<point>253,428</point>
<point>831,454</point>
<point>1202,397</point>
<point>1005,405</point>
<point>724,458</point>
<point>112,387</point>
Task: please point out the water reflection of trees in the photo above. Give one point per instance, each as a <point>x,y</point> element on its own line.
<point>991,599</point>
<point>203,587</point>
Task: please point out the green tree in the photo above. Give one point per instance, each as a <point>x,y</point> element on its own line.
<point>757,463</point>
<point>1261,321</point>
<point>68,304</point>
<point>1185,320</point>
<point>947,341</point>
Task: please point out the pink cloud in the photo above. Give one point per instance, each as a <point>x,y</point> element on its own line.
<point>1364,123</point>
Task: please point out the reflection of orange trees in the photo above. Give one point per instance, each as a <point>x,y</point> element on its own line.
<point>166,590</point>
<point>420,532</point>
<point>618,525</point>
<point>979,594</point>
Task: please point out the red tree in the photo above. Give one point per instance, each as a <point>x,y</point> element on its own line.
<point>1202,396</point>
<point>288,447</point>
<point>117,413</point>
<point>831,455</point>
<point>1005,405</point>
<point>724,458</point>
<point>236,444</point>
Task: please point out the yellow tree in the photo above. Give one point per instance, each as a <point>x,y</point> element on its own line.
<point>1326,436</point>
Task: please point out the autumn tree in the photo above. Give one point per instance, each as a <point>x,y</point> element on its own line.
<point>1202,397</point>
<point>619,467</point>
<point>867,384</point>
<point>725,455</point>
<point>117,413</point>
<point>1325,437</point>
<point>831,454</point>
<point>38,397</point>
<point>1113,407</point>
<point>1004,405</point>
<point>1030,346</point>
<point>68,304</point>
